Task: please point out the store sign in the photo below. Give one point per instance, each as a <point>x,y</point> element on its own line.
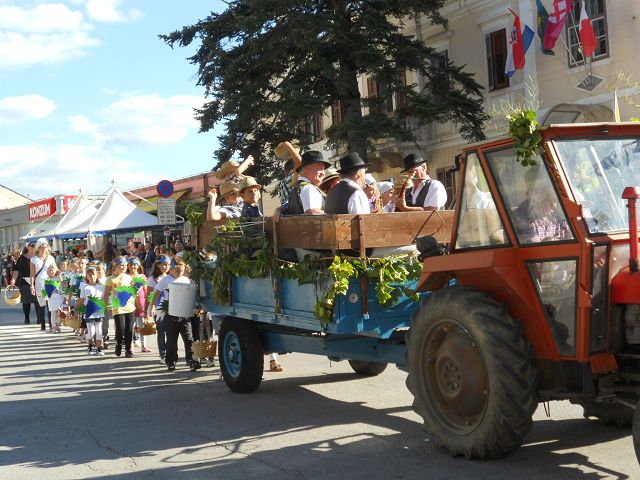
<point>67,202</point>
<point>42,209</point>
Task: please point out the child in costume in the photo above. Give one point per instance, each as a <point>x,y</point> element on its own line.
<point>52,291</point>
<point>140,284</point>
<point>92,305</point>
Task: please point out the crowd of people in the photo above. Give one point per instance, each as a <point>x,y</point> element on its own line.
<point>129,287</point>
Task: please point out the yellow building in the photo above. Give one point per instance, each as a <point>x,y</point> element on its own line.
<point>561,87</point>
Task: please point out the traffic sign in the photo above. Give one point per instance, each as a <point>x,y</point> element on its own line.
<point>164,188</point>
<point>166,211</point>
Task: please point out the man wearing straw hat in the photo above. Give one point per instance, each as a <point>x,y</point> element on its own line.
<point>229,206</point>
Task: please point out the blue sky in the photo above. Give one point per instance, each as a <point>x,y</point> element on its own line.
<point>88,93</point>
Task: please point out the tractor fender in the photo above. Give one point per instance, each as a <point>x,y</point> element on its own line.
<point>626,287</point>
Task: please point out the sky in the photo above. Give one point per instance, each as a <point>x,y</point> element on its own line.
<point>90,94</point>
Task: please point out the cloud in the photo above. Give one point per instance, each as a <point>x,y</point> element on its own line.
<point>141,121</point>
<point>107,11</point>
<point>34,32</point>
<point>26,107</point>
<point>65,168</point>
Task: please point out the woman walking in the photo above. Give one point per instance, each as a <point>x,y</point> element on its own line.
<point>20,279</point>
<point>40,263</point>
<point>119,296</point>
<point>160,270</point>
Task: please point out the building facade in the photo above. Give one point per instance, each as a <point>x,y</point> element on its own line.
<point>560,87</point>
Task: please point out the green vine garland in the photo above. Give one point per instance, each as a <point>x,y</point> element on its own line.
<point>523,129</point>
<point>245,251</point>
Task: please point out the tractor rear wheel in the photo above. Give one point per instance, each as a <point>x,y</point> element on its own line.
<point>636,431</point>
<point>367,369</point>
<point>470,373</point>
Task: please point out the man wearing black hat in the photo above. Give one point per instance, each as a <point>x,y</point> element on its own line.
<point>306,197</point>
<point>348,196</point>
<point>424,193</point>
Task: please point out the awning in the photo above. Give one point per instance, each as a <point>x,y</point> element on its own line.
<point>153,206</point>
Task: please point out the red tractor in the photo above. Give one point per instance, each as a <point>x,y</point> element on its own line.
<point>538,298</point>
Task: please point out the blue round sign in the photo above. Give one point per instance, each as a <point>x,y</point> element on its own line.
<point>164,188</point>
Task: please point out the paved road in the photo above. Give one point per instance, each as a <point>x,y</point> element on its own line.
<point>64,415</point>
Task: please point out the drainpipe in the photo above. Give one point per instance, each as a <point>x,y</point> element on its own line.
<point>632,194</point>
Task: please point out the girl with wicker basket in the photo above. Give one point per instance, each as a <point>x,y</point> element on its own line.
<point>92,305</point>
<point>140,284</point>
<point>119,297</point>
<point>40,263</point>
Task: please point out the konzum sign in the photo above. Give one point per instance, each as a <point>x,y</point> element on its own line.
<point>42,209</point>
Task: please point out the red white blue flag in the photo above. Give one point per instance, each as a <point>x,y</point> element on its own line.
<point>519,43</point>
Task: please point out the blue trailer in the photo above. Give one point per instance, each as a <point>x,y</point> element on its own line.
<point>276,314</point>
<point>270,315</point>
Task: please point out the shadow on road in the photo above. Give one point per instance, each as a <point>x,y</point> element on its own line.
<point>92,409</point>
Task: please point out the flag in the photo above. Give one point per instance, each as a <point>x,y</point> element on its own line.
<point>542,19</point>
<point>555,24</point>
<point>527,37</point>
<point>515,54</point>
<point>587,36</point>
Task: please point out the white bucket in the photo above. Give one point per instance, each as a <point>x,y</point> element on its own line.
<point>182,299</point>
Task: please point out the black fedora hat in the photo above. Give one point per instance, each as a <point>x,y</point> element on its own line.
<point>352,161</point>
<point>311,157</point>
<point>412,160</point>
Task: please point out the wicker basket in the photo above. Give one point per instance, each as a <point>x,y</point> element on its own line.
<point>149,328</point>
<point>11,296</point>
<point>204,349</point>
<point>73,321</point>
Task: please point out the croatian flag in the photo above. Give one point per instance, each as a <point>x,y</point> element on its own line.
<point>555,24</point>
<point>519,43</point>
<point>587,35</point>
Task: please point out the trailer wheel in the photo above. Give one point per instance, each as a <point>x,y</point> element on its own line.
<point>614,414</point>
<point>241,355</point>
<point>470,373</point>
<point>367,369</point>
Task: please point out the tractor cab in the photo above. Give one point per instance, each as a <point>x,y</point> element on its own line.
<point>538,297</point>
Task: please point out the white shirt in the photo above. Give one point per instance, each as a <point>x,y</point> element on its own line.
<point>87,291</point>
<point>436,196</point>
<point>163,287</point>
<point>42,276</point>
<point>310,196</point>
<point>358,201</point>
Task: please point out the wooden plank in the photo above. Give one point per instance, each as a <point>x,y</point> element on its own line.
<point>382,230</point>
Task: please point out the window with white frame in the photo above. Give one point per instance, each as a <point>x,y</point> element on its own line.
<point>596,9</point>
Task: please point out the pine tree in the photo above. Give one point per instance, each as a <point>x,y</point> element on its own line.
<point>269,65</point>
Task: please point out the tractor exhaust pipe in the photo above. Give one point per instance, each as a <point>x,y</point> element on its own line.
<point>631,194</point>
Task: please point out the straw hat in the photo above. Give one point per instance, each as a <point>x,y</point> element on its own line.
<point>248,182</point>
<point>329,174</point>
<point>228,187</point>
<point>226,169</point>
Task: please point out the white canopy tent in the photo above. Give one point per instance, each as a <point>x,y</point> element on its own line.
<point>92,218</point>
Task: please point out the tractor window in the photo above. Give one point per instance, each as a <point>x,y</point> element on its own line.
<point>555,282</point>
<point>599,170</point>
<point>479,224</point>
<point>532,202</point>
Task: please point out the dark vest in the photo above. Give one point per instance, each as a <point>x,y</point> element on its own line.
<point>421,196</point>
<point>338,198</point>
<point>295,202</point>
